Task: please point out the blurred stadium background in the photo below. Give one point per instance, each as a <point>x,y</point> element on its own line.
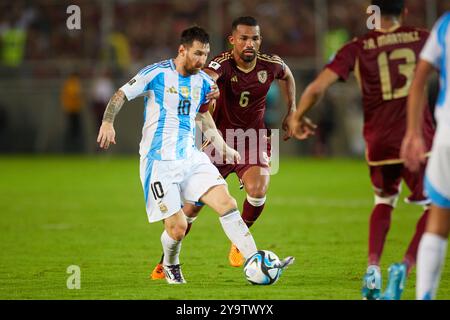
<point>58,211</point>
<point>42,112</point>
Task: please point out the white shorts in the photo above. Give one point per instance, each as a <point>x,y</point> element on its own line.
<point>437,180</point>
<point>168,184</point>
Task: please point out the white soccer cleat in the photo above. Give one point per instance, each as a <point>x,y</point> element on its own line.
<point>173,274</point>
<point>286,262</point>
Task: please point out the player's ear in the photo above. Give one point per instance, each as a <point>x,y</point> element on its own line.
<point>231,40</point>
<point>182,50</point>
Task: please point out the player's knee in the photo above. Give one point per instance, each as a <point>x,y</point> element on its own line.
<point>388,200</point>
<point>256,201</point>
<point>256,191</point>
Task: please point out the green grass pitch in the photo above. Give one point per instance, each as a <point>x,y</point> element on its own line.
<point>57,212</point>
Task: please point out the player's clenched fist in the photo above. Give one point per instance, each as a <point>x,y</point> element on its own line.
<point>106,135</point>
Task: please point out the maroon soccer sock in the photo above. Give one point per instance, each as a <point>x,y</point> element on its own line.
<point>411,253</point>
<point>380,221</point>
<point>251,213</point>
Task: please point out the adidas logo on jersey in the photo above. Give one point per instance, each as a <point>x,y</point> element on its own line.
<point>234,79</point>
<point>172,90</point>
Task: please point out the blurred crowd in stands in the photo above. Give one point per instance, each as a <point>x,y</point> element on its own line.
<point>128,32</point>
<point>58,81</point>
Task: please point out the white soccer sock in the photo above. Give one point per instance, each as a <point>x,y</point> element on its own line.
<point>430,260</point>
<point>171,249</point>
<point>237,231</point>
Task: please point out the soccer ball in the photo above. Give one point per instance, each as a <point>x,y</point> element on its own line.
<point>262,268</point>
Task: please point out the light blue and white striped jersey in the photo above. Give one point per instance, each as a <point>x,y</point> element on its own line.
<point>171,103</point>
<point>437,52</point>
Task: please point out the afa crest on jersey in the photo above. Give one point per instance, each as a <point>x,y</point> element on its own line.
<point>162,207</point>
<point>184,91</point>
<point>262,76</point>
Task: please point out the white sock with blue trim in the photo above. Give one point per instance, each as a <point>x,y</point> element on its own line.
<point>430,260</point>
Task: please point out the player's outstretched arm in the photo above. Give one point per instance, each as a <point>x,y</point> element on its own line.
<point>301,126</point>
<point>209,129</point>
<point>106,134</point>
<point>413,147</point>
<point>288,88</point>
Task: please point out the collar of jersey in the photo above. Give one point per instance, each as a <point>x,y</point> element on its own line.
<point>172,64</point>
<point>391,29</point>
<point>174,68</point>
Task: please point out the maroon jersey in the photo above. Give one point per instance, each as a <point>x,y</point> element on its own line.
<point>242,101</point>
<point>384,65</point>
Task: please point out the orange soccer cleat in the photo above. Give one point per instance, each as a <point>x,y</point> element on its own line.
<point>158,273</point>
<point>235,257</point>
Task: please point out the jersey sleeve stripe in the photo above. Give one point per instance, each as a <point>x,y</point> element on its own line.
<point>147,69</point>
<point>222,59</point>
<point>273,61</point>
<point>157,67</point>
<point>269,57</point>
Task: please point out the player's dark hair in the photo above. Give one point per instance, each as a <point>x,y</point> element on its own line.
<point>390,7</point>
<point>246,21</point>
<point>188,36</point>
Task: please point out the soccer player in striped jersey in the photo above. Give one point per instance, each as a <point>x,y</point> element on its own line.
<point>383,61</point>
<point>433,246</point>
<point>244,76</point>
<point>172,169</point>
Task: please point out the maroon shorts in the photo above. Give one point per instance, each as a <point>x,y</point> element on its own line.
<point>255,154</point>
<point>386,179</point>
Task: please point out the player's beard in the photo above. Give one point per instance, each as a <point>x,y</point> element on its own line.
<point>192,69</point>
<point>247,58</point>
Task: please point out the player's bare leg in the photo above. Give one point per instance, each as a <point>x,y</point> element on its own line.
<point>256,182</point>
<point>191,212</point>
<point>432,252</point>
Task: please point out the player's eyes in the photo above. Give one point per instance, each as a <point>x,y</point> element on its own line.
<point>246,38</point>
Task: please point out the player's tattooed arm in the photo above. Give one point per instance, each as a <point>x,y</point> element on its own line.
<point>209,129</point>
<point>114,106</point>
<point>107,134</point>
